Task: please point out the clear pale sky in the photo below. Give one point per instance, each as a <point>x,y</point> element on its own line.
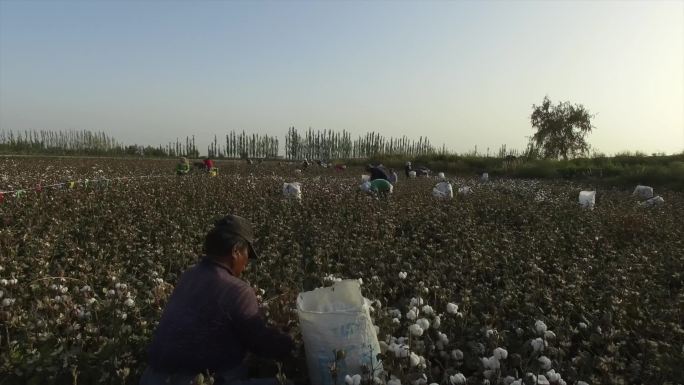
<point>462,73</point>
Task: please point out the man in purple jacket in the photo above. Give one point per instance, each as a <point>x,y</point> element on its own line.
<point>212,318</point>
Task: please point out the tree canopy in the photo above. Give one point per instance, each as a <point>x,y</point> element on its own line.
<point>561,129</point>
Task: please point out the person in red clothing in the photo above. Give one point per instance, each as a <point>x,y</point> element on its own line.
<point>208,164</point>
<point>212,319</point>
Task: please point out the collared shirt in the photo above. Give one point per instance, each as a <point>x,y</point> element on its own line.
<point>211,321</point>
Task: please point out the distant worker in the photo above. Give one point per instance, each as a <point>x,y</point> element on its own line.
<point>377,172</point>
<point>381,187</point>
<point>393,177</point>
<point>183,166</point>
<point>208,164</point>
<point>305,164</point>
<point>407,169</point>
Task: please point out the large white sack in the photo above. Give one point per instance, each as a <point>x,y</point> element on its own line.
<point>365,177</point>
<point>337,318</point>
<point>655,201</point>
<point>443,190</point>
<point>412,174</point>
<point>485,177</point>
<point>292,190</point>
<point>587,199</point>
<point>643,192</point>
<point>365,186</point>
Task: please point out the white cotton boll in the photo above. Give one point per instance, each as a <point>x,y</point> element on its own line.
<point>415,302</point>
<point>489,333</point>
<point>8,302</point>
<point>13,281</point>
<point>542,380</point>
<point>443,338</point>
<point>582,383</point>
<point>416,330</point>
<point>491,363</point>
<point>452,308</point>
<point>516,382</point>
<point>436,322</point>
<point>508,380</point>
<point>396,321</point>
<point>414,360</point>
<point>64,289</point>
<point>562,382</point>
<point>540,327</point>
<point>549,335</point>
<point>348,380</point>
<point>402,275</point>
<point>4,282</point>
<point>111,293</point>
<point>488,374</point>
<point>423,323</point>
<point>457,354</point>
<point>394,313</point>
<point>356,379</point>
<point>86,288</point>
<point>553,376</point>
<point>537,344</point>
<point>582,325</point>
<point>500,353</point>
<point>544,362</point>
<point>411,315</point>
<point>129,302</point>
<point>394,381</point>
<point>457,379</point>
<point>427,310</point>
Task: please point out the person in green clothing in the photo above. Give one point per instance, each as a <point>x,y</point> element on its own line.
<point>183,167</point>
<point>380,187</point>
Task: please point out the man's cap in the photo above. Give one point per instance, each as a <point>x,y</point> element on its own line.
<point>233,224</point>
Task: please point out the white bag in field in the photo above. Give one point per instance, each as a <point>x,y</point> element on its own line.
<point>465,190</point>
<point>292,190</point>
<point>443,190</point>
<point>485,177</point>
<point>441,176</point>
<point>587,199</point>
<point>643,192</point>
<point>412,174</point>
<point>365,178</point>
<point>365,186</point>
<point>337,318</point>
<point>655,201</point>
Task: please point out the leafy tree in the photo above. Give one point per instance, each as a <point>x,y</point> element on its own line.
<point>561,129</point>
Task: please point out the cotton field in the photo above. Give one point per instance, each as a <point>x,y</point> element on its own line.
<point>506,282</point>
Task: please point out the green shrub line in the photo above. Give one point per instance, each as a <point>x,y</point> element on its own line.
<point>659,171</point>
